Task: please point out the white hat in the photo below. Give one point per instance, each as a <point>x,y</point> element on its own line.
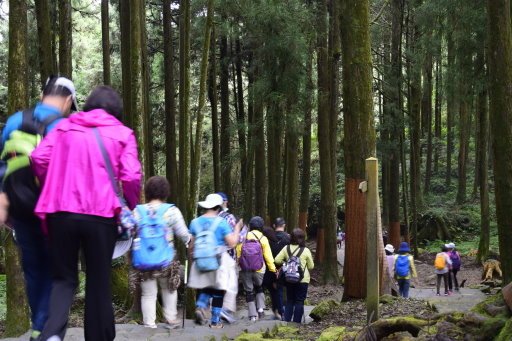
<point>122,246</point>
<point>211,201</point>
<point>450,245</point>
<point>67,84</point>
<point>389,248</point>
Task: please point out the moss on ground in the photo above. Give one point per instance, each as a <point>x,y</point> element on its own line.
<point>323,309</point>
<point>279,332</point>
<point>506,332</point>
<point>334,334</point>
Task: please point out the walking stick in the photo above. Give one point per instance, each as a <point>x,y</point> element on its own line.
<point>185,280</point>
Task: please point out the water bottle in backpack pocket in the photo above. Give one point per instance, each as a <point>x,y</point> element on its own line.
<point>251,257</point>
<point>402,266</point>
<point>152,250</point>
<point>291,271</point>
<point>206,251</point>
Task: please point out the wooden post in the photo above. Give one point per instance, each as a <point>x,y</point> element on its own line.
<point>372,255</point>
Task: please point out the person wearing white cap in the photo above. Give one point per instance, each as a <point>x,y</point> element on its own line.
<point>19,193</point>
<point>390,256</point>
<point>212,236</point>
<point>454,255</point>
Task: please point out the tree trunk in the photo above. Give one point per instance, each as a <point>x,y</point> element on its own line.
<point>395,123</point>
<point>184,102</point>
<point>196,160</point>
<point>292,171</point>
<point>242,141</point>
<point>170,102</point>
<point>426,113</point>
<point>212,95</point>
<point>464,130</point>
<point>17,319</point>
<point>225,141</point>
<point>451,102</point>
<point>306,146</point>
<point>359,141</point>
<point>249,190</point>
<point>124,23</point>
<point>438,110</point>
<point>260,170</point>
<point>65,39</point>
<point>274,159</point>
<point>483,165</point>
<point>105,39</point>
<point>500,93</point>
<point>44,33</point>
<point>146,124</point>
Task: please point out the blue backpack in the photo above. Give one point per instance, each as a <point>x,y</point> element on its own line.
<point>151,249</point>
<point>206,251</point>
<point>402,266</point>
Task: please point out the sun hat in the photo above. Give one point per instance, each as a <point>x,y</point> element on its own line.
<point>404,247</point>
<point>389,248</point>
<point>122,247</point>
<point>211,201</point>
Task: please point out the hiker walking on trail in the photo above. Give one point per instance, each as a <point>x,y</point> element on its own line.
<point>158,225</point>
<point>212,237</point>
<point>455,268</point>
<point>442,264</point>
<point>278,239</point>
<point>20,190</point>
<point>79,205</point>
<point>390,256</point>
<point>254,256</point>
<point>297,262</point>
<point>404,269</point>
<point>229,303</point>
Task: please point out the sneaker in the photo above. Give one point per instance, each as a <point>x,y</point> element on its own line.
<point>277,316</point>
<point>447,294</point>
<point>217,325</point>
<point>173,325</point>
<point>438,294</point>
<point>261,315</point>
<point>253,318</point>
<point>34,336</point>
<point>152,326</point>
<point>227,316</point>
<point>200,316</point>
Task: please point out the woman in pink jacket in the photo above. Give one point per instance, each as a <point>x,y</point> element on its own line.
<point>79,205</point>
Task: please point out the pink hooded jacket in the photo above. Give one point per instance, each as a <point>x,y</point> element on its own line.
<point>71,169</point>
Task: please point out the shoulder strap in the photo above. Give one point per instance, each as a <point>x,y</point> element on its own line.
<point>301,250</point>
<point>215,224</point>
<point>47,121</point>
<point>108,166</point>
<point>27,120</point>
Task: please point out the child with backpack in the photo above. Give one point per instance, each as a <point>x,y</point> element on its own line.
<point>442,265</point>
<point>158,223</point>
<point>297,262</point>
<point>404,269</point>
<point>254,256</point>
<point>212,237</point>
<point>456,264</point>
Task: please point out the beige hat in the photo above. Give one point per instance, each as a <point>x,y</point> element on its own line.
<point>389,248</point>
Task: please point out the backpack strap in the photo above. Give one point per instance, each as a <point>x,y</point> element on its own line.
<point>301,250</point>
<point>47,121</point>
<point>28,123</point>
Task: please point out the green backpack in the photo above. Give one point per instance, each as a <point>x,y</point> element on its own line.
<point>18,180</point>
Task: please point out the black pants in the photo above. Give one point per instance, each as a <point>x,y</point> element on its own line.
<point>453,283</point>
<point>443,277</point>
<point>97,237</point>
<point>275,289</point>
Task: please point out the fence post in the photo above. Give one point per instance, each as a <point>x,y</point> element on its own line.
<point>372,252</point>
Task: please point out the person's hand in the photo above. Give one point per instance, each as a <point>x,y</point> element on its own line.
<point>239,225</point>
<point>4,208</point>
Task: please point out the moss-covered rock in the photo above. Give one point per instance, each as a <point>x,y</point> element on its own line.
<point>489,307</point>
<point>323,309</point>
<point>387,299</point>
<point>279,332</point>
<point>506,332</point>
<point>387,327</point>
<point>333,333</point>
<point>400,336</point>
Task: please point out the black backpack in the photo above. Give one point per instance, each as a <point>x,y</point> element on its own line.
<point>20,185</point>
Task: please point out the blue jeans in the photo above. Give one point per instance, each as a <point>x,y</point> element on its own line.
<point>35,262</point>
<point>295,296</point>
<point>403,287</point>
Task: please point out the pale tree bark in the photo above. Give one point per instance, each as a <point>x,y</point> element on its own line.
<point>225,141</point>
<point>17,319</point>
<point>213,96</point>
<point>124,23</point>
<point>170,102</point>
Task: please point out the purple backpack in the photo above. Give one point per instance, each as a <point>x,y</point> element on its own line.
<point>251,258</point>
<point>455,258</point>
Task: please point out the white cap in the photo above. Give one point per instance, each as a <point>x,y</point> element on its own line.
<point>450,246</point>
<point>389,248</point>
<point>211,201</point>
<point>67,84</point>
